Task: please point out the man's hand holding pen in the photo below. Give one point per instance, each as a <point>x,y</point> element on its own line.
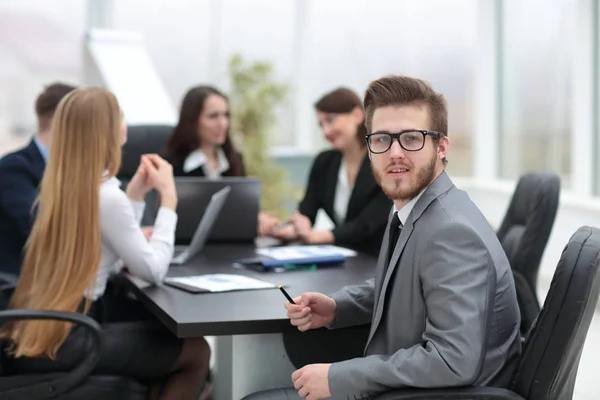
<point>311,311</point>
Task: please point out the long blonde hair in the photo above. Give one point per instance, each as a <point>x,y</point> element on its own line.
<point>64,249</point>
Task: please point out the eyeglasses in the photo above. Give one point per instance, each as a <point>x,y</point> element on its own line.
<point>409,140</point>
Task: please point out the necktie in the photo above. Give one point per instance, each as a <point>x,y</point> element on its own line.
<point>395,228</point>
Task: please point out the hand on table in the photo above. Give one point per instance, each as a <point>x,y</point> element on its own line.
<point>302,225</point>
<point>307,234</point>
<point>266,223</point>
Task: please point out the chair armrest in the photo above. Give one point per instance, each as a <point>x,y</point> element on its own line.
<point>6,291</point>
<point>57,387</point>
<point>9,278</point>
<point>465,393</point>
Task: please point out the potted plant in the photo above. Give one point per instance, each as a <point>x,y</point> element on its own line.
<point>254,96</point>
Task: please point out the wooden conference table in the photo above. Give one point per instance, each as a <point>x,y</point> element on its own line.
<point>254,313</point>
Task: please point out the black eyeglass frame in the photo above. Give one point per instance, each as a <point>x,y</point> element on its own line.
<point>396,136</point>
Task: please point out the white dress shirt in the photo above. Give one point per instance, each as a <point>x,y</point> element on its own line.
<point>198,159</point>
<point>404,212</point>
<point>123,242</point>
<point>343,191</point>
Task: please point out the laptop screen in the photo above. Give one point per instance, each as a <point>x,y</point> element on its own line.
<point>237,222</point>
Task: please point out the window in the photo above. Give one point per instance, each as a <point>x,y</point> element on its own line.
<point>191,41</point>
<point>40,42</point>
<point>353,42</point>
<point>536,82</point>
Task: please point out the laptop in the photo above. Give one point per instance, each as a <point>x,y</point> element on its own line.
<point>238,224</point>
<point>184,253</point>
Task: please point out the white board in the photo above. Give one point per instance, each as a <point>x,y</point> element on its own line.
<point>121,63</point>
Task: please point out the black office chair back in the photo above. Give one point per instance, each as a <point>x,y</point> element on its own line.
<point>548,366</point>
<point>524,234</point>
<point>141,139</point>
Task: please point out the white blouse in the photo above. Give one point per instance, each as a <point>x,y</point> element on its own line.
<point>123,242</point>
<point>343,191</point>
<point>197,159</point>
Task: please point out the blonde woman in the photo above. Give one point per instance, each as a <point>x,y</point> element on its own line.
<point>86,230</point>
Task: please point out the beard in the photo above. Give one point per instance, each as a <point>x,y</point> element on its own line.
<point>405,189</point>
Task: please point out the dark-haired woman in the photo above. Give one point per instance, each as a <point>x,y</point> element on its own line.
<point>200,145</point>
<point>340,183</point>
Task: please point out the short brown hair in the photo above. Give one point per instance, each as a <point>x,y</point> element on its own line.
<point>47,102</point>
<point>397,90</point>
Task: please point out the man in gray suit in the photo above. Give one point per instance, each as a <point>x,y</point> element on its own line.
<point>442,306</point>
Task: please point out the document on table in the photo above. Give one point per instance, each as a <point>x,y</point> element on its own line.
<point>220,282</point>
<point>302,252</point>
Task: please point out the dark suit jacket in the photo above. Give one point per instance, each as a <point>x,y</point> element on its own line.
<point>368,207</point>
<point>20,176</point>
<point>178,168</point>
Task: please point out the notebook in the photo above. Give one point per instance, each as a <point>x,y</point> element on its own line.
<point>216,283</point>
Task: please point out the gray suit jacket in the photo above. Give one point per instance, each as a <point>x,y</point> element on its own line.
<point>444,313</point>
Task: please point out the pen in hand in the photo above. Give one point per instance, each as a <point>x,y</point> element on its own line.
<point>287,296</point>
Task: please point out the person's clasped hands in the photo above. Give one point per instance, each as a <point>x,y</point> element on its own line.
<point>153,173</point>
<point>297,227</point>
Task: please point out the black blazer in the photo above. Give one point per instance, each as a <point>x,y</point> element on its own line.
<point>368,208</point>
<point>178,168</point>
<point>20,176</point>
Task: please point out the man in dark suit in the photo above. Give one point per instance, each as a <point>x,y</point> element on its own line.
<point>20,176</point>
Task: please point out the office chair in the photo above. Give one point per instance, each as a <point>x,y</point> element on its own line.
<point>547,368</point>
<point>76,384</point>
<point>524,234</point>
<point>143,139</point>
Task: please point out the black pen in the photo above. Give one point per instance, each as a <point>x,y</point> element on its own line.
<point>287,296</point>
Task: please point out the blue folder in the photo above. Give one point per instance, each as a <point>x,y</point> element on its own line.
<point>266,264</point>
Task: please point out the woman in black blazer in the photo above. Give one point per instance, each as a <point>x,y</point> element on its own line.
<point>200,144</point>
<point>341,183</point>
